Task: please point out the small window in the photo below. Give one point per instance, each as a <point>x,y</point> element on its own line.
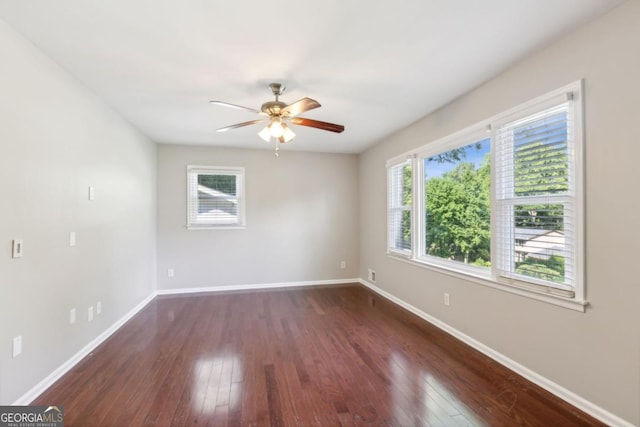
<point>215,197</point>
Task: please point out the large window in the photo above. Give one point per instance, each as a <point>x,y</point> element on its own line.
<point>215,197</point>
<point>500,202</point>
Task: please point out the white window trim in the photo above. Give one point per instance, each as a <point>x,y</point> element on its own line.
<point>391,249</point>
<point>218,170</point>
<point>465,137</point>
<point>489,277</point>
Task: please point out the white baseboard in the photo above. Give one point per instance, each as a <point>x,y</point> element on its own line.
<point>47,382</point>
<point>554,388</point>
<point>254,286</point>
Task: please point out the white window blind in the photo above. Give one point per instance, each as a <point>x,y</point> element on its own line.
<point>400,189</point>
<point>536,200</point>
<point>215,197</point>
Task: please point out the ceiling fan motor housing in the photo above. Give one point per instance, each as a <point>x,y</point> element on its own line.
<point>272,108</point>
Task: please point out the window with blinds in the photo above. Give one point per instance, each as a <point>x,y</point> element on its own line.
<point>501,201</point>
<point>400,201</point>
<point>215,197</point>
<point>535,199</point>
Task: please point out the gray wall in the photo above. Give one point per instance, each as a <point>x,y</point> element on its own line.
<point>595,354</point>
<point>302,220</point>
<point>56,140</point>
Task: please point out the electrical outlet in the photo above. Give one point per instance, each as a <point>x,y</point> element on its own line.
<point>90,314</point>
<point>99,308</point>
<point>170,272</point>
<point>92,193</point>
<point>72,316</point>
<point>72,238</point>
<point>343,264</point>
<point>372,276</point>
<point>447,300</point>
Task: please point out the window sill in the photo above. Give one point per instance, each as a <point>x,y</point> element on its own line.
<point>561,301</point>
<point>215,227</point>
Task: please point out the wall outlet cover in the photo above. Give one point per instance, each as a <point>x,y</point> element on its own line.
<point>372,276</point>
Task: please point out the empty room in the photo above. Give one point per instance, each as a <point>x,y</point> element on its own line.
<point>338,213</point>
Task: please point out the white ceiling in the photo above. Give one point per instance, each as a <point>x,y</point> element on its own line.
<point>375,66</point>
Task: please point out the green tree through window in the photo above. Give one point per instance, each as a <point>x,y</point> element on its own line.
<point>223,183</point>
<point>457,202</point>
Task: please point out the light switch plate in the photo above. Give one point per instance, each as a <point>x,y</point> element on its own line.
<point>17,346</point>
<point>92,193</point>
<point>16,248</point>
<point>72,238</point>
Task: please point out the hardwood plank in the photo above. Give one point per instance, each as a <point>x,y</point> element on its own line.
<point>322,356</point>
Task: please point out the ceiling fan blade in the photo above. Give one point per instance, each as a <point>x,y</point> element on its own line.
<point>239,125</point>
<point>317,124</point>
<point>239,107</point>
<point>300,106</point>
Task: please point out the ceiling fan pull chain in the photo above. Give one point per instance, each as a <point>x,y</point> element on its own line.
<point>277,149</point>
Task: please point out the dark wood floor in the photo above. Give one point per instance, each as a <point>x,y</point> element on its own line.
<point>323,356</point>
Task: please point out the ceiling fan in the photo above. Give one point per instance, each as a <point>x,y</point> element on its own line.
<point>278,114</point>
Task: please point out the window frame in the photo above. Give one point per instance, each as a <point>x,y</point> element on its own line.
<point>536,289</point>
<point>571,198</point>
<point>392,207</point>
<point>193,201</point>
<point>457,140</point>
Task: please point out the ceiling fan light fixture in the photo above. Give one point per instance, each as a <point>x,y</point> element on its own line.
<point>276,128</point>
<point>287,134</point>
<point>265,133</point>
